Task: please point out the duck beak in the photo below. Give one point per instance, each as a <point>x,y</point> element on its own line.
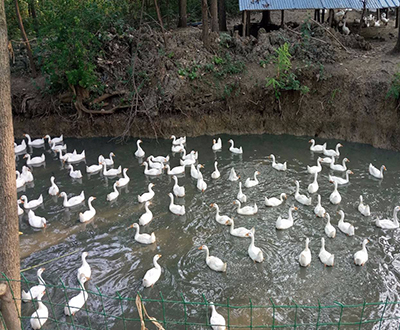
<point>384,167</point>
<point>296,208</point>
<point>309,141</point>
<point>20,233</point>
<point>131,226</point>
<point>200,248</point>
<point>94,197</point>
<point>212,205</point>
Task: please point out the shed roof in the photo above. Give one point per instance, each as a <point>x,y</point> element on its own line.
<point>314,4</point>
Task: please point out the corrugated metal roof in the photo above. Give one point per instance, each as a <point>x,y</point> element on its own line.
<point>314,4</point>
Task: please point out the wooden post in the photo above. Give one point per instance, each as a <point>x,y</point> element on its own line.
<point>247,23</point>
<point>244,23</point>
<point>331,17</point>
<point>323,16</point>
<point>282,18</point>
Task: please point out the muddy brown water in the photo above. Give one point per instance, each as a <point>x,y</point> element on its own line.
<point>119,263</point>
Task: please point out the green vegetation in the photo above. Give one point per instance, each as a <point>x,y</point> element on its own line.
<point>394,90</point>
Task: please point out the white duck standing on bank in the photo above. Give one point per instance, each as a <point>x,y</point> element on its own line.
<point>313,187</point>
<point>335,197</point>
<point>40,316</point>
<point>89,214</point>
<point>388,223</point>
<point>326,258</point>
<point>20,182</point>
<point>177,141</point>
<point>233,149</point>
<point>34,291</point>
<point>143,238</point>
<point>139,153</point>
<point>75,157</point>
<point>315,169</point>
<point>35,221</point>
<point>201,184</point>
<point>34,143</point>
<point>195,170</point>
<point>75,174</point>
<point>305,255</point>
<point>278,166</point>
<point>282,223</point>
<point>363,209</point>
<point>216,174</point>
<point>32,203</point>
<point>217,145</point>
<point>20,148</point>
<point>333,152</point>
<point>214,263</point>
<point>302,199</point>
<point>35,160</point>
<point>147,195</point>
<point>233,176</point>
<point>73,201</point>
<point>53,190</point>
<point>26,174</point>
<point>241,197</point>
<point>345,227</point>
<point>151,171</point>
<point>176,170</point>
<point>375,172</point>
<point>319,210</point>
<point>76,303</point>
<point>111,171</point>
<point>340,180</point>
<point>222,219</point>
<point>217,321</point>
<point>238,232</point>
<point>330,231</point>
<point>361,256</point>
<point>316,147</point>
<point>85,269</point>
<point>55,140</point>
<point>252,182</point>
<point>146,217</point>
<point>254,252</point>
<point>273,201</point>
<point>153,274</point>
<point>246,210</point>
<point>114,194</point>
<point>179,191</point>
<point>122,182</point>
<point>339,167</point>
<point>174,208</point>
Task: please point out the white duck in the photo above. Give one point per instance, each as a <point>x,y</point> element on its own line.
<point>252,182</point>
<point>174,208</point>
<point>19,148</point>
<point>326,160</point>
<point>316,147</point>
<point>176,170</point>
<point>195,170</point>
<point>339,167</point>
<point>146,217</point>
<point>193,155</point>
<point>233,149</point>
<point>26,174</point>
<point>214,263</point>
<point>35,290</point>
<point>217,321</point>
<point>330,231</point>
<point>315,169</point>
<point>273,201</point>
<point>58,147</point>
<point>108,161</point>
<point>361,256</point>
<point>32,203</point>
<point>75,157</point>
<point>241,197</point>
<point>345,227</point>
<point>254,252</point>
<point>143,238</point>
<point>375,172</point>
<point>89,214</point>
<point>384,19</point>
<point>154,164</point>
<point>187,162</point>
<point>76,303</point>
<point>326,258</point>
<point>151,171</point>
<point>333,152</point>
<point>55,140</point>
<point>34,160</point>
<point>222,219</point>
<point>238,232</point>
<point>95,168</point>
<point>114,194</point>
<point>340,180</point>
<point>65,157</point>
<point>179,191</point>
<point>177,141</point>
<point>319,210</point>
<point>305,255</point>
<point>217,145</point>
<point>111,171</point>
<point>302,199</point>
<point>278,166</point>
<point>335,197</point>
<point>201,184</point>
<point>216,174</point>
<point>364,209</point>
<point>233,176</point>
<point>139,153</point>
<point>286,223</point>
<point>246,210</point>
<point>388,223</point>
<point>75,174</point>
<point>36,221</point>
<point>313,187</point>
<point>177,148</point>
<point>85,269</point>
<point>19,180</point>
<point>160,159</point>
<point>34,143</point>
<point>153,274</point>
<point>147,195</point>
<point>40,316</point>
<point>73,201</point>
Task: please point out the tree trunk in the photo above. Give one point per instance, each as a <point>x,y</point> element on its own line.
<point>32,9</point>
<point>362,16</point>
<point>9,233</point>
<point>25,38</point>
<point>182,13</point>
<point>222,15</point>
<point>214,15</point>
<point>396,48</point>
<point>161,23</point>
<point>204,19</point>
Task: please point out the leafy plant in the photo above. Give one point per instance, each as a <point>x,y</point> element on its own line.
<point>394,90</point>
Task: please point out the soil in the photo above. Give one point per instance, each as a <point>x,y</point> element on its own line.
<point>348,77</point>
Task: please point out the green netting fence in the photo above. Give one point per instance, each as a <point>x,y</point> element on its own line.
<point>133,311</point>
